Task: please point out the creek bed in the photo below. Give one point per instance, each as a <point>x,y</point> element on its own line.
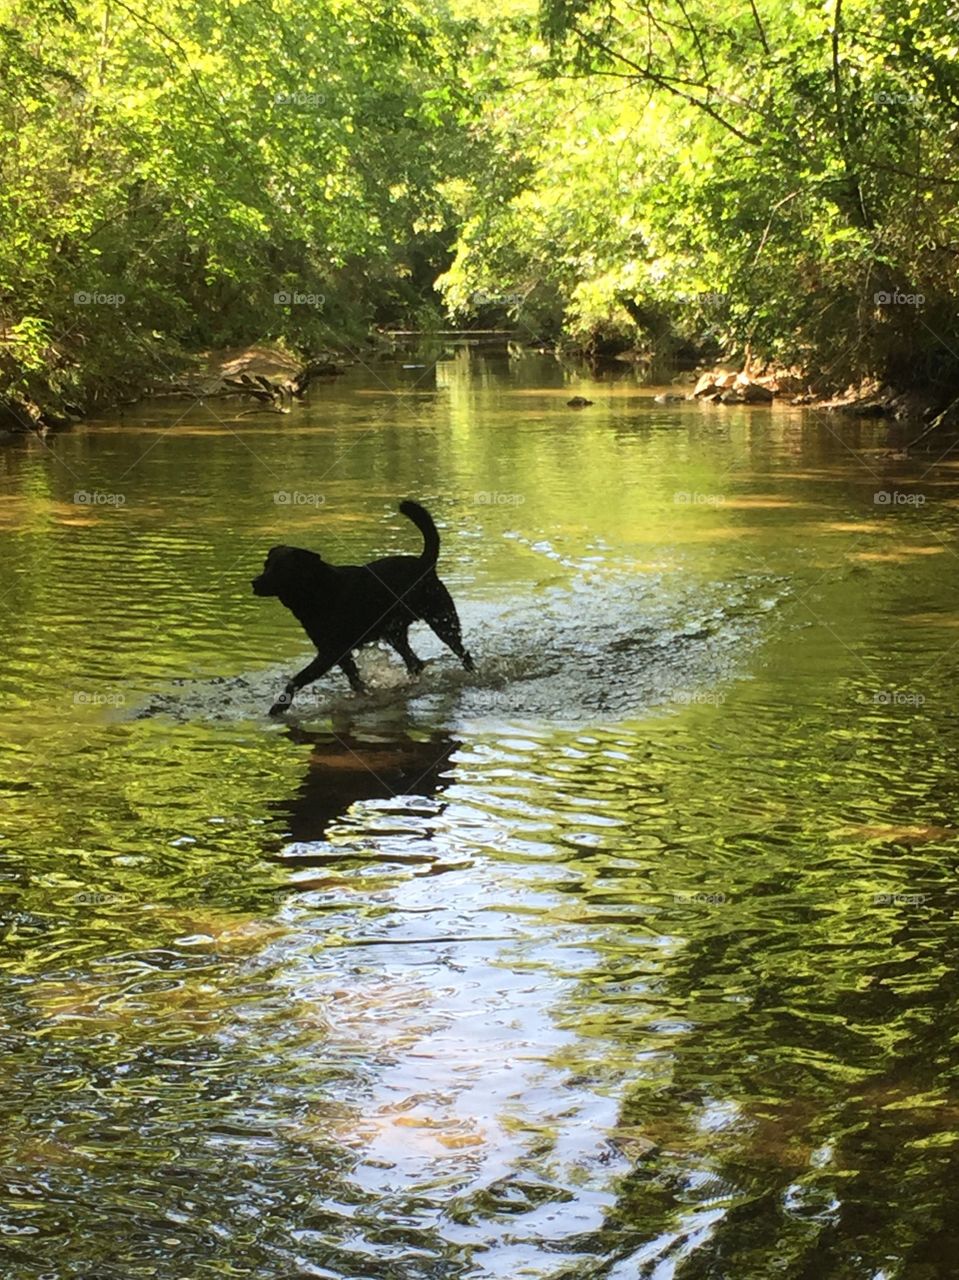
<point>630,954</point>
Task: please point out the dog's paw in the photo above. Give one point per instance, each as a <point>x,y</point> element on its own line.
<point>282,704</point>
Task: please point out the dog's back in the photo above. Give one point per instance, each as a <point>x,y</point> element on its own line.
<point>371,598</point>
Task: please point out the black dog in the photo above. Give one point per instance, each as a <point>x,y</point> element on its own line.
<point>342,607</point>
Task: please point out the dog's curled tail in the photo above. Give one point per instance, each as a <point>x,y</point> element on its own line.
<point>424,522</point>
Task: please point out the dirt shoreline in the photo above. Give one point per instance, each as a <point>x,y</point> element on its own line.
<point>262,372</point>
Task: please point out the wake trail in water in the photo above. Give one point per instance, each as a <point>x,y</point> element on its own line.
<point>595,642</point>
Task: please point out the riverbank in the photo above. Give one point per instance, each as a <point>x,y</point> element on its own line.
<point>270,376</point>
<point>926,410</point>
<point>265,373</point>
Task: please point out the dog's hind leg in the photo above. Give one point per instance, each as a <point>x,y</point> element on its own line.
<point>398,640</point>
<point>443,619</point>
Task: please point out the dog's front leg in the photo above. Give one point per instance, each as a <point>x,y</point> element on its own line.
<point>318,667</point>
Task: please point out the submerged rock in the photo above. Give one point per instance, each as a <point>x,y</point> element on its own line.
<point>578,402</point>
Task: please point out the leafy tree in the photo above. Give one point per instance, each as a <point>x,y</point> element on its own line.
<point>755,173</point>
<point>199,161</point>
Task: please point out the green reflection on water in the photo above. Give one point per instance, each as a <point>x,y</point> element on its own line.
<point>633,950</point>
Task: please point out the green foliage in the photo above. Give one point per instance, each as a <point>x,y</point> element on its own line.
<point>191,163</point>
<point>733,175</point>
<point>675,175</point>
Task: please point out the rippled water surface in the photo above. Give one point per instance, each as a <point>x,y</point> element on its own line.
<point>631,954</point>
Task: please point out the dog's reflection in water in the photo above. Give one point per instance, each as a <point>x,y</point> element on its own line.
<point>346,767</point>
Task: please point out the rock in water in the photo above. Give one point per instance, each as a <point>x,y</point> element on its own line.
<point>732,388</point>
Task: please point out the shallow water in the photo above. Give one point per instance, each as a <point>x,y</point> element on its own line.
<point>630,954</point>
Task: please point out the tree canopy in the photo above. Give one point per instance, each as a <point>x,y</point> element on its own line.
<point>773,178</point>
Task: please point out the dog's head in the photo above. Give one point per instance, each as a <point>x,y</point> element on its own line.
<point>285,570</point>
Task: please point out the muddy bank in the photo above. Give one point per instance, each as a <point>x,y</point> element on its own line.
<point>265,374</point>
